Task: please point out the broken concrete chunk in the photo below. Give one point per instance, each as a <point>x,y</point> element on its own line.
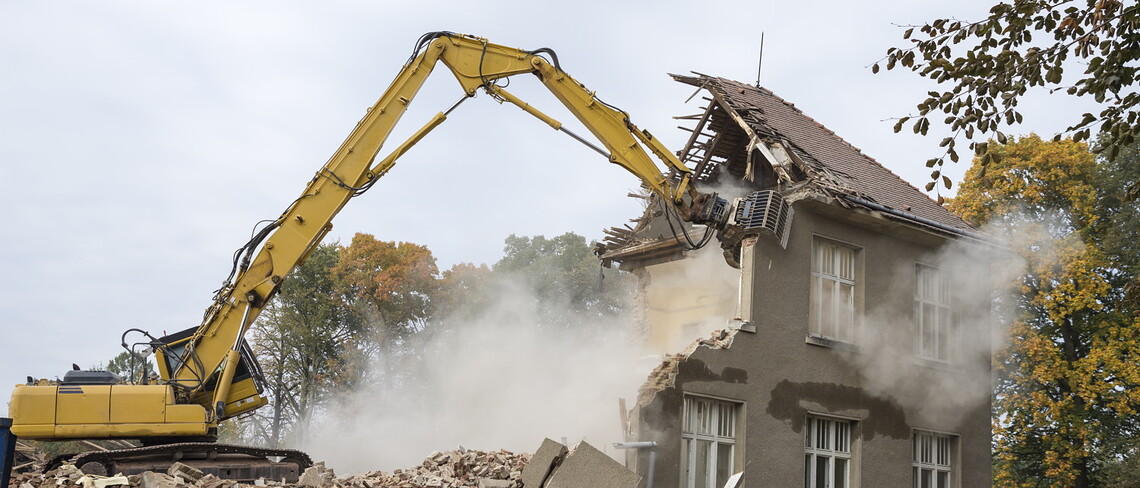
<point>310,478</point>
<point>150,479</point>
<point>490,483</point>
<point>186,472</point>
<point>68,471</point>
<point>95,481</point>
<point>545,459</point>
<point>316,475</point>
<point>589,467</point>
<point>209,481</point>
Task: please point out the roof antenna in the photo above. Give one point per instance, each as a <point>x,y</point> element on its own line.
<point>760,63</point>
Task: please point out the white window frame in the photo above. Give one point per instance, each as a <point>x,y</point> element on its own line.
<point>713,423</point>
<point>933,316</point>
<point>835,290</point>
<point>828,442</point>
<point>932,458</point>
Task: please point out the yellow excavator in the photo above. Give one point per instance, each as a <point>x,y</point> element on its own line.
<point>207,374</point>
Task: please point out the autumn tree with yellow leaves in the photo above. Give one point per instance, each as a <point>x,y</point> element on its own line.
<point>1067,397</point>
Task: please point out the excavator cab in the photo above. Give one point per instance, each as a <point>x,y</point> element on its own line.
<point>245,390</point>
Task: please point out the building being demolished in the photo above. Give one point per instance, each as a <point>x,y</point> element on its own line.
<point>854,337</point>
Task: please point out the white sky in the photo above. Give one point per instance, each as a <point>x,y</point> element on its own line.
<point>140,141</point>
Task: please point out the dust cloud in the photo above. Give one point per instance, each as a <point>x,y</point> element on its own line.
<point>941,388</point>
<point>497,381</point>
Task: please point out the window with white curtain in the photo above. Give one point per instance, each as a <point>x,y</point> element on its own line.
<point>934,335</point>
<point>834,288</point>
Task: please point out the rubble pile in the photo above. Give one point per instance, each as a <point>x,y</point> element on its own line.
<point>460,468</point>
<point>451,469</point>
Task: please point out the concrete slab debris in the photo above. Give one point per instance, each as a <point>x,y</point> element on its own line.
<point>588,467</point>
<point>545,459</point>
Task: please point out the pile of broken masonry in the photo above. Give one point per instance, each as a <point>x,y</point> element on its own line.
<point>552,466</point>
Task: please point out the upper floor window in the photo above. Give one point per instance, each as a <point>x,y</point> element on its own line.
<point>708,442</point>
<point>932,313</point>
<point>833,290</point>
<point>827,453</point>
<point>931,464</point>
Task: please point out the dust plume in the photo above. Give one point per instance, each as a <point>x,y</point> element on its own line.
<point>499,380</point>
<point>945,387</point>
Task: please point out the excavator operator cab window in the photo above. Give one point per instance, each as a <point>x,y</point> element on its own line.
<point>174,346</point>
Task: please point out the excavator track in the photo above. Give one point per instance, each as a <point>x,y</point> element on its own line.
<point>227,461</point>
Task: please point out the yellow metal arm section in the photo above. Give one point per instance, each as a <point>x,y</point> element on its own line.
<point>476,64</point>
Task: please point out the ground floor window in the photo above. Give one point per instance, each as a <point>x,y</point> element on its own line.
<point>827,453</point>
<point>932,466</point>
<point>708,442</point>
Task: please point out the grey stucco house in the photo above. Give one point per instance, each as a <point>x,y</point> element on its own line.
<point>851,344</point>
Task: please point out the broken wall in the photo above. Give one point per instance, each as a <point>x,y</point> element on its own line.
<point>688,298</point>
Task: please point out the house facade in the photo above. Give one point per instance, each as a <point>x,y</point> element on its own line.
<point>850,344</point>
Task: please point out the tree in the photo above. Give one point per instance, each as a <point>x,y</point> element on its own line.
<point>1118,462</point>
<point>1118,197</point>
<point>1025,44</point>
<point>1067,380</point>
<point>302,340</point>
<point>389,285</point>
<point>130,367</point>
<point>565,276</point>
<point>463,291</point>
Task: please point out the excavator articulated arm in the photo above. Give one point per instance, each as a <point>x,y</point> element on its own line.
<point>206,361</point>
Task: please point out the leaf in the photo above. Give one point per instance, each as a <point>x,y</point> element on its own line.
<point>929,186</point>
<point>946,181</point>
<point>899,124</point>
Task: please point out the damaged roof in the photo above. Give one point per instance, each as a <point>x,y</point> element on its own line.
<point>860,178</point>
<point>749,139</point>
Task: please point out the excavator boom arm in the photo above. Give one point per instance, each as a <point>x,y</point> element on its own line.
<point>286,242</point>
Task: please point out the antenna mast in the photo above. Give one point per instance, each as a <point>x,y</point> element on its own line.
<point>760,63</point>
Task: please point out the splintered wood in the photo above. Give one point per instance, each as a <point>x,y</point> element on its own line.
<point>460,468</point>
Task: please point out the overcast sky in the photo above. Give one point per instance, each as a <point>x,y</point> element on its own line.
<point>141,141</point>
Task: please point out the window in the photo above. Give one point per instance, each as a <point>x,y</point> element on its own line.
<point>931,466</point>
<point>827,453</point>
<point>833,288</point>
<point>932,313</point>
<point>708,442</point>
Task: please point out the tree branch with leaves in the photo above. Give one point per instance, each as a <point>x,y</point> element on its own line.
<point>988,65</point>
